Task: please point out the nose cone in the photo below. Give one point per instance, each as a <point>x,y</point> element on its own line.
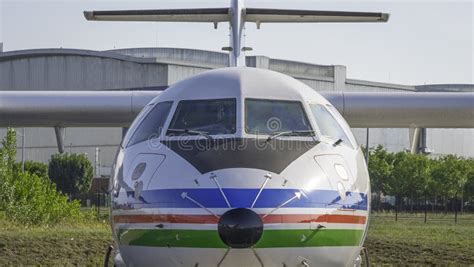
<point>240,228</point>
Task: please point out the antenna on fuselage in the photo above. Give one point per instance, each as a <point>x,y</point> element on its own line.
<point>237,15</point>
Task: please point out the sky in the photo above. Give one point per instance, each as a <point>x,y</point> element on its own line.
<point>424,42</point>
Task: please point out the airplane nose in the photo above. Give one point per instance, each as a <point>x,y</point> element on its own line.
<point>240,228</point>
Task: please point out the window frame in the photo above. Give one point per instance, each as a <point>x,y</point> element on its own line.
<point>350,142</point>
<point>143,118</point>
<point>138,120</point>
<point>175,110</point>
<point>344,125</point>
<point>301,104</point>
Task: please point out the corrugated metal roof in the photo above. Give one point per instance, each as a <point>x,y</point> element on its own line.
<point>445,88</point>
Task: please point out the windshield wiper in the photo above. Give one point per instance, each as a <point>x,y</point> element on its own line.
<point>290,133</point>
<point>339,141</point>
<point>189,132</point>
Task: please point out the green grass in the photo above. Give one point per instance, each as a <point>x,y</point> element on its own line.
<point>80,244</point>
<point>407,241</point>
<point>410,241</point>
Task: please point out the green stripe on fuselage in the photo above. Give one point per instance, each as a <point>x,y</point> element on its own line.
<point>210,238</point>
<point>171,238</point>
<point>309,238</point>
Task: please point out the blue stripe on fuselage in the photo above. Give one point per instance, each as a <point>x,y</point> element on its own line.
<point>243,198</point>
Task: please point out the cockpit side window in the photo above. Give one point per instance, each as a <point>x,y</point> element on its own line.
<point>210,116</point>
<point>135,123</point>
<point>264,116</point>
<point>344,125</point>
<point>328,125</point>
<point>152,125</point>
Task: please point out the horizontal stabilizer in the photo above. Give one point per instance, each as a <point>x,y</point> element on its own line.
<point>258,15</point>
<point>264,15</point>
<point>178,15</point>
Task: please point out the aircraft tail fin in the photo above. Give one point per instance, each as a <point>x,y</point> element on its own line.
<point>236,15</point>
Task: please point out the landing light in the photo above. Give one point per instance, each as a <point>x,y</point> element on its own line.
<point>138,171</point>
<point>341,171</point>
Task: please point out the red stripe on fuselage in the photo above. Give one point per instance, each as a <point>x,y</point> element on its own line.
<point>210,219</point>
<point>304,218</point>
<point>166,218</point>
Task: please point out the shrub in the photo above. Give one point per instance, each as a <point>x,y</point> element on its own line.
<point>28,198</point>
<point>33,167</point>
<point>37,202</point>
<point>72,173</point>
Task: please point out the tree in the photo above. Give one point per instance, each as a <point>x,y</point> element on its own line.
<point>33,167</point>
<point>26,197</point>
<point>7,161</point>
<point>469,186</point>
<point>434,189</point>
<point>380,169</point>
<point>395,184</point>
<point>451,174</point>
<point>72,173</point>
<point>420,181</point>
<point>410,176</point>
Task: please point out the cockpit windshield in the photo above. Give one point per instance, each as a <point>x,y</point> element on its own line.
<point>274,116</point>
<point>204,117</point>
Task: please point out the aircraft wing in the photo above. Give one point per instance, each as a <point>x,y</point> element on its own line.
<point>71,108</point>
<point>264,15</point>
<point>405,110</point>
<point>179,15</point>
<point>119,108</point>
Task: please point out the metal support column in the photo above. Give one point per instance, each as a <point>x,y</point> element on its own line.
<point>23,150</point>
<point>367,148</point>
<point>415,141</point>
<point>60,132</point>
<point>422,143</point>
